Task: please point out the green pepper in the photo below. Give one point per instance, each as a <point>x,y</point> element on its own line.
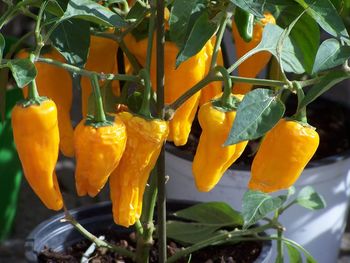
<point>245,23</point>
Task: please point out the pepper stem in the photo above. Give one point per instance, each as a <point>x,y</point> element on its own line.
<point>218,40</point>
<point>32,89</point>
<point>145,106</point>
<point>300,114</point>
<point>99,111</point>
<point>226,96</point>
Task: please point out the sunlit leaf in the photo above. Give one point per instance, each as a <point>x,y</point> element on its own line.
<point>23,71</point>
<point>330,54</point>
<point>258,112</point>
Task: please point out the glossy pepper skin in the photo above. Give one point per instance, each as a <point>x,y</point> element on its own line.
<point>102,58</point>
<point>56,83</point>
<point>251,67</point>
<point>98,152</point>
<point>177,81</point>
<point>36,135</point>
<point>212,159</point>
<point>128,180</point>
<point>282,156</point>
<point>214,88</point>
<point>244,22</point>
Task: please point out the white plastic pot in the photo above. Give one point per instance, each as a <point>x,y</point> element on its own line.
<point>320,232</point>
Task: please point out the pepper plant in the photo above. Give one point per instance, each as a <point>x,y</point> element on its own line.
<point>171,63</point>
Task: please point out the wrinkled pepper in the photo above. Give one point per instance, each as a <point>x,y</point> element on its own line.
<point>177,81</point>
<point>251,67</point>
<point>282,156</point>
<point>36,135</point>
<point>56,83</point>
<point>102,58</point>
<point>129,179</point>
<point>98,151</point>
<point>214,88</point>
<point>212,159</point>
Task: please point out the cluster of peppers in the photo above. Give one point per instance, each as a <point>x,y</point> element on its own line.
<point>125,147</point>
<point>286,148</point>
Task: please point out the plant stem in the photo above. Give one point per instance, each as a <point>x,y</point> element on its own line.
<point>138,227</point>
<point>300,114</point>
<point>218,238</point>
<point>145,106</point>
<point>261,82</point>
<point>32,89</point>
<point>130,56</point>
<point>225,98</point>
<point>145,241</point>
<point>218,41</point>
<point>151,26</point>
<point>279,245</point>
<point>241,59</point>
<point>84,72</point>
<point>99,112</point>
<point>99,243</point>
<point>189,93</point>
<point>150,199</point>
<point>9,13</point>
<point>161,201</point>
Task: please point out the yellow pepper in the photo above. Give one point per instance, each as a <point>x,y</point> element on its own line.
<point>56,83</point>
<point>282,156</point>
<point>98,152</point>
<point>102,58</point>
<point>251,67</point>
<point>214,88</point>
<point>177,81</point>
<point>36,135</point>
<point>212,159</point>
<point>128,180</point>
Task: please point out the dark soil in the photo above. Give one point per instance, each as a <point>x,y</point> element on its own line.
<point>245,252</point>
<point>329,118</point>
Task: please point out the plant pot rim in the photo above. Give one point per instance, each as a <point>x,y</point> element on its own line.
<point>55,221</point>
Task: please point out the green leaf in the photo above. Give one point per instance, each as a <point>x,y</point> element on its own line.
<point>256,205</point>
<point>310,199</point>
<point>307,44</point>
<point>294,254</point>
<point>93,12</point>
<point>23,71</point>
<point>330,54</point>
<point>202,30</point>
<point>328,81</point>
<point>258,112</point>
<point>326,16</point>
<point>72,39</point>
<point>180,19</point>
<point>136,11</point>
<point>52,7</point>
<point>310,258</point>
<point>218,213</point>
<point>189,233</point>
<point>252,6</point>
<point>272,35</point>
<point>2,46</point>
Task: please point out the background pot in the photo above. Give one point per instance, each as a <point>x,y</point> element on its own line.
<point>54,234</point>
<point>320,232</point>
